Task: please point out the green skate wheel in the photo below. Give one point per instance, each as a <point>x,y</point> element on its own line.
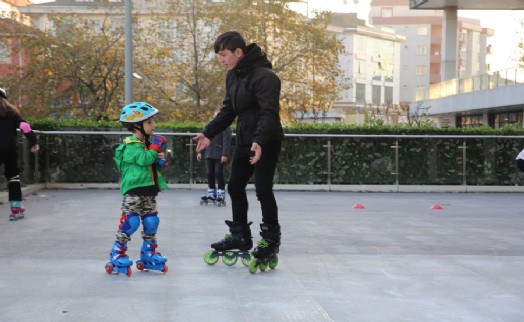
<point>210,258</point>
<point>246,261</point>
<point>273,262</point>
<point>263,265</point>
<point>229,258</point>
<point>253,266</point>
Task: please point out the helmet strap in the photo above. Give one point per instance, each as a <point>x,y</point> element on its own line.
<point>146,136</point>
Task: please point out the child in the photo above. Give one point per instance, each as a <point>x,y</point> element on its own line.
<point>216,155</point>
<point>137,160</point>
<point>10,121</point>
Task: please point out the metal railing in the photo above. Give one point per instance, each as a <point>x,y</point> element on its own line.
<point>502,78</point>
<point>306,159</point>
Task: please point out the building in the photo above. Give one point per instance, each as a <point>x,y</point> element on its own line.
<point>491,99</point>
<point>371,64</point>
<point>421,55</point>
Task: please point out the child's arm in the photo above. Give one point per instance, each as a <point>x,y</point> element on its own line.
<point>28,133</point>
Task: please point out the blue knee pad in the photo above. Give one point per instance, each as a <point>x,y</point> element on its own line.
<point>130,223</point>
<point>150,223</point>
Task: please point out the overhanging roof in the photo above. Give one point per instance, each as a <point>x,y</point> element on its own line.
<point>468,4</point>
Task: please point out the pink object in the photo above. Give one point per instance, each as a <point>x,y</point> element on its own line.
<point>25,127</point>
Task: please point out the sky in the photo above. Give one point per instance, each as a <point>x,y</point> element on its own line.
<point>505,23</point>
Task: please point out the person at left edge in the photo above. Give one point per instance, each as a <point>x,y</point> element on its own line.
<point>10,121</point>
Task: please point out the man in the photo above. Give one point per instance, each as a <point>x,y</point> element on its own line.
<point>252,96</point>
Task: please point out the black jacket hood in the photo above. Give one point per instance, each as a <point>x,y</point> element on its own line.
<point>253,57</point>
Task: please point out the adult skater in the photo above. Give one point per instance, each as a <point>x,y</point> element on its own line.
<point>252,97</point>
<point>216,156</point>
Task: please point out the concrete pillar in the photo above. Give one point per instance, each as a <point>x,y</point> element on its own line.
<point>448,69</point>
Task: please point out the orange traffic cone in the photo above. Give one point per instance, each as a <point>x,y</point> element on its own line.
<point>358,206</point>
<point>436,207</point>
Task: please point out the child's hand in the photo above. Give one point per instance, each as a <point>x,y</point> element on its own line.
<point>199,156</point>
<point>35,148</point>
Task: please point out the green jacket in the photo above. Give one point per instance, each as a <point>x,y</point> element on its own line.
<point>135,163</point>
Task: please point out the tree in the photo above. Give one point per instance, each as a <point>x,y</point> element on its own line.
<point>75,73</point>
<point>303,52</point>
<point>175,55</point>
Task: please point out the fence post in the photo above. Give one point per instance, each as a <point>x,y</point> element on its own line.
<point>396,146</point>
<point>464,176</point>
<point>190,161</point>
<point>328,146</point>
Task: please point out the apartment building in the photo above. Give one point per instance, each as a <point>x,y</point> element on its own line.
<point>371,64</point>
<point>421,53</point>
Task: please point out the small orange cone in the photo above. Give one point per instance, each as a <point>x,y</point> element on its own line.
<point>436,207</point>
<point>358,206</point>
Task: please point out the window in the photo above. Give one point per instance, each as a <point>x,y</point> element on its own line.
<point>422,31</point>
<point>386,12</point>
<point>5,53</point>
<point>502,119</point>
<point>422,50</point>
<point>388,95</point>
<point>470,121</point>
<point>362,68</point>
<point>422,70</point>
<point>360,93</point>
<point>375,94</point>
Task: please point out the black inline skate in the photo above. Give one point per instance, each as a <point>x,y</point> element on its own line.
<point>265,254</point>
<point>234,245</point>
<point>209,197</point>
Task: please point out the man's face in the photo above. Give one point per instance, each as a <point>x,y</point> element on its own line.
<point>229,58</point>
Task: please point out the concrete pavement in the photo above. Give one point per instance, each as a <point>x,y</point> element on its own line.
<point>394,260</point>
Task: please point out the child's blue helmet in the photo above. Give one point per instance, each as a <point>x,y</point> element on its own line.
<point>136,113</point>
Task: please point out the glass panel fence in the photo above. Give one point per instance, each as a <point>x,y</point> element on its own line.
<point>81,157</point>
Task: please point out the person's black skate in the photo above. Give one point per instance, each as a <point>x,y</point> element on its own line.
<point>265,254</point>
<point>234,245</point>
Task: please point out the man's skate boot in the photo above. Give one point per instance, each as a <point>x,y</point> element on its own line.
<point>234,245</point>
<point>209,197</point>
<point>265,254</point>
<point>119,262</point>
<point>221,198</point>
<point>16,213</point>
<point>150,259</point>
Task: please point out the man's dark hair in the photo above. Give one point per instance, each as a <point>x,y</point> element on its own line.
<point>230,40</point>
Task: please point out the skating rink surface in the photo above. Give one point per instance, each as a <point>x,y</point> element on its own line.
<point>394,260</point>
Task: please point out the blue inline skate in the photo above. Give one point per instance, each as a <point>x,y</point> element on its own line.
<point>265,254</point>
<point>234,245</point>
<point>150,259</point>
<point>119,262</point>
<point>209,197</point>
<point>221,198</point>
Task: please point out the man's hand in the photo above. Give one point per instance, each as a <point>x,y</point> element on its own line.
<point>257,149</point>
<point>203,142</point>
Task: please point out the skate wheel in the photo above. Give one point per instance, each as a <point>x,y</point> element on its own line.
<point>229,258</point>
<point>109,268</point>
<point>140,266</point>
<point>253,266</point>
<point>263,265</point>
<point>164,269</point>
<point>245,261</point>
<point>273,262</point>
<point>129,272</point>
<point>210,258</point>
